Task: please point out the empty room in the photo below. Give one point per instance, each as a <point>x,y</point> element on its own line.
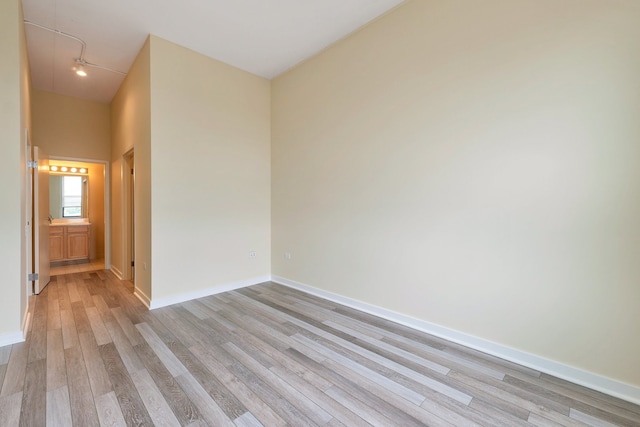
<point>322,212</point>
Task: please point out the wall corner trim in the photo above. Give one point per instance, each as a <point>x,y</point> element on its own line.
<point>142,297</point>
<point>26,321</point>
<point>578,376</point>
<point>175,299</point>
<point>117,272</point>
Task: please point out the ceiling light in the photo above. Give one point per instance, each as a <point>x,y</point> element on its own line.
<point>79,69</point>
<point>80,61</point>
<point>68,169</point>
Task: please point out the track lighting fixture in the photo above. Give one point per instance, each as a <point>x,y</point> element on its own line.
<point>79,68</point>
<point>80,64</point>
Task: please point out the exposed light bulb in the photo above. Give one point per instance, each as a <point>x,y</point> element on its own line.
<point>83,170</point>
<point>53,168</point>
<point>80,71</point>
<point>78,67</point>
<point>74,170</point>
<point>64,168</point>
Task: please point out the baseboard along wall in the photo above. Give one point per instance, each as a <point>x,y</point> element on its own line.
<point>175,299</point>
<point>578,376</point>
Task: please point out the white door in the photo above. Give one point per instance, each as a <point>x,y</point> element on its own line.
<point>41,220</point>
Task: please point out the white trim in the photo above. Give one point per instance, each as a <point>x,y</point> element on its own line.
<point>575,375</point>
<point>11,338</point>
<point>142,297</point>
<point>163,302</point>
<point>117,272</point>
<point>26,321</point>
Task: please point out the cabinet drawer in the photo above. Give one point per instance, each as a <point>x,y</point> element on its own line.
<point>56,231</point>
<point>78,229</point>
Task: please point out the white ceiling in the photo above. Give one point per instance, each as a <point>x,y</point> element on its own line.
<point>263,37</point>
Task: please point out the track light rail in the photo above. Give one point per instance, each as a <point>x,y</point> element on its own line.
<point>80,60</point>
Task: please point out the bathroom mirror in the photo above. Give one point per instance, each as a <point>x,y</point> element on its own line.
<point>68,196</point>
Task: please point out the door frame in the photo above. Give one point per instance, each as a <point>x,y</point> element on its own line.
<point>28,231</point>
<point>107,202</point>
<point>128,214</point>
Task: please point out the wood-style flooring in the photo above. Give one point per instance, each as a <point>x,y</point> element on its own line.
<point>263,355</point>
<point>78,267</point>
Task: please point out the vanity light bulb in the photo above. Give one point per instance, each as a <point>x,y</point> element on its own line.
<point>53,168</point>
<point>83,170</point>
<point>64,168</point>
<point>74,170</point>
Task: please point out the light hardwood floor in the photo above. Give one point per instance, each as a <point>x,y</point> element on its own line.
<point>263,355</point>
<point>81,267</point>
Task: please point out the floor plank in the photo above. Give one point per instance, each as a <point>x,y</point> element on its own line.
<point>58,407</point>
<point>131,403</point>
<point>16,369</point>
<point>153,400</point>
<point>109,412</point>
<point>83,410</point>
<point>56,367</point>
<point>182,407</point>
<point>10,408</point>
<point>34,394</point>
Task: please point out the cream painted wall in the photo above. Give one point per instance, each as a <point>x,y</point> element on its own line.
<point>210,180</point>
<point>131,130</point>
<point>71,127</point>
<point>14,119</point>
<point>474,165</point>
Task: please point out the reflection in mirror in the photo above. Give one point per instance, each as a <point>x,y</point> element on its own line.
<point>68,196</point>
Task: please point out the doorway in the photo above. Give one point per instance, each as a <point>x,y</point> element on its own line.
<point>93,205</point>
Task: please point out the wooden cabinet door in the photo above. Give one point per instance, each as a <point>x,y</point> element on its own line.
<point>77,242</point>
<point>56,245</point>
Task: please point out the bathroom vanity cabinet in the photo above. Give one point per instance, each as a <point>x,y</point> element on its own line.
<point>69,242</point>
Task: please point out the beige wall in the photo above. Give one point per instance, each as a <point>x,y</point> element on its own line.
<point>131,130</point>
<point>71,127</point>
<point>474,165</point>
<point>14,119</point>
<point>210,180</point>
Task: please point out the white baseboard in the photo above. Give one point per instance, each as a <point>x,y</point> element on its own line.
<point>11,338</point>
<point>117,272</point>
<point>142,297</point>
<point>175,299</point>
<point>578,376</point>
